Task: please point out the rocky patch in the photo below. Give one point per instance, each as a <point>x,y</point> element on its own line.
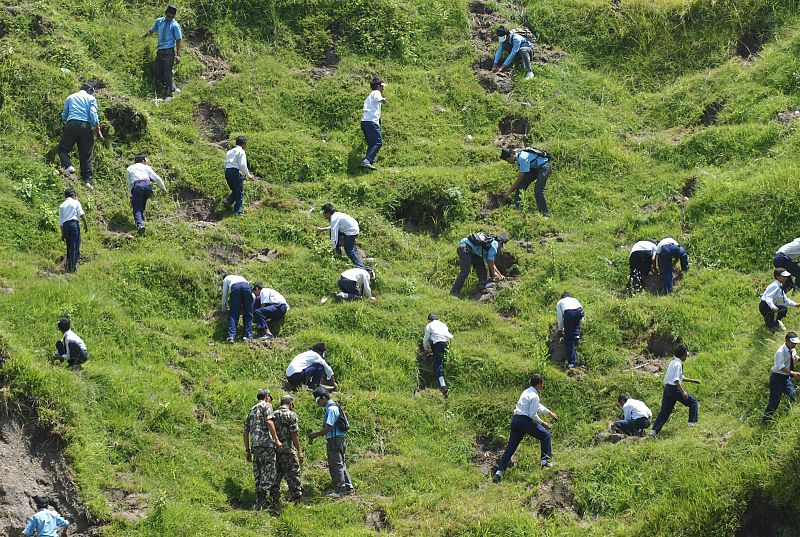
<point>213,123</point>
<point>194,205</point>
<point>487,454</point>
<point>129,506</point>
<point>378,521</point>
<point>555,496</point>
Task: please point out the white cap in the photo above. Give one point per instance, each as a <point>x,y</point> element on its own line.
<point>786,273</point>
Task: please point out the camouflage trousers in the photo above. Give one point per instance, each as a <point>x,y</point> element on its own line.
<point>264,468</point>
<point>288,467</point>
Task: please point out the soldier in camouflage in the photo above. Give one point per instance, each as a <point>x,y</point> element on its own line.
<point>289,457</point>
<point>260,442</point>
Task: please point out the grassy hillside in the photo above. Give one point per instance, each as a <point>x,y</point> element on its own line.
<point>648,98</point>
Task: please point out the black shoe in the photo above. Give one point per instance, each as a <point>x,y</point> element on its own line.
<point>444,391</point>
<point>140,230</point>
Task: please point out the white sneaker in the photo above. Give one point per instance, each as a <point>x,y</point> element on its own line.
<point>529,75</point>
<point>546,463</point>
<point>168,98</point>
<point>267,336</point>
<point>368,165</point>
<point>176,90</point>
<point>497,477</point>
<point>89,186</point>
<point>334,495</point>
<point>691,424</point>
<point>70,170</point>
<point>341,296</point>
<point>782,326</point>
<point>653,433</point>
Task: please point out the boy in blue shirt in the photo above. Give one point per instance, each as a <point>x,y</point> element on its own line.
<point>336,444</point>
<point>530,166</point>
<point>46,522</point>
<point>515,43</point>
<point>169,49</point>
<point>472,254</point>
<point>80,124</point>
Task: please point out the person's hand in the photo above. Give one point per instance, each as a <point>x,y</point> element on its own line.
<point>278,445</point>
<point>685,396</point>
<point>100,135</point>
<point>546,425</point>
<point>774,308</point>
<point>501,68</point>
<point>248,455</point>
<point>301,456</point>
<point>85,228</point>
<point>310,438</point>
<point>553,415</point>
<point>560,333</point>
<point>177,60</point>
<point>494,67</point>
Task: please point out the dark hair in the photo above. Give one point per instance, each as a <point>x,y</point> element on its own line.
<point>654,241</point>
<point>172,9</point>
<point>320,391</point>
<point>777,272</point>
<point>536,379</point>
<point>241,140</point>
<point>319,348</point>
<point>68,193</point>
<point>623,397</point>
<point>433,317</point>
<point>566,294</point>
<point>375,83</point>
<point>505,153</point>
<point>502,238</point>
<point>88,88</point>
<point>681,351</point>
<point>64,324</point>
<point>258,285</point>
<point>262,394</point>
<point>141,157</point>
<point>42,502</point>
<point>501,31</point>
<point>328,208</point>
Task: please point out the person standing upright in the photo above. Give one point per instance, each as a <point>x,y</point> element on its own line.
<point>477,251</point>
<point>69,212</point>
<point>532,165</point>
<point>140,188</point>
<point>569,316</point>
<point>168,54</point>
<point>435,341</point>
<point>344,229</point>
<point>288,457</point>
<point>641,262</point>
<point>526,420</point>
<point>241,304</point>
<point>333,429</point>
<point>236,171</point>
<point>260,443</point>
<point>371,122</point>
<point>81,122</point>
<point>781,374</point>
<point>668,252</point>
<point>674,392</point>
<point>786,258</point>
<point>774,303</point>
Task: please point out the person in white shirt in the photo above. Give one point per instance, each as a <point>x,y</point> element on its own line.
<point>774,303</point>
<point>309,367</point>
<point>69,212</point>
<point>434,342</point>
<point>781,374</point>
<point>140,187</point>
<point>236,171</point>
<point>270,307</point>
<point>354,284</point>
<point>635,416</point>
<point>526,420</point>
<point>241,304</point>
<point>668,253</point>
<point>70,348</point>
<point>641,262</point>
<point>786,258</point>
<point>674,392</point>
<point>343,229</point>
<point>569,317</point>
<point>371,122</point>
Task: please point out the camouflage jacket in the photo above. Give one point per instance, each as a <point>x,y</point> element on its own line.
<point>286,423</point>
<point>256,425</point>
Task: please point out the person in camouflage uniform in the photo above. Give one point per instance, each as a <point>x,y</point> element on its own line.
<point>289,457</point>
<point>260,442</point>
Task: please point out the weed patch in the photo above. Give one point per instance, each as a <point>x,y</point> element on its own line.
<point>128,123</point>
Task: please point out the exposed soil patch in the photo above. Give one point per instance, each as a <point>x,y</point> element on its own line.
<point>514,125</point>
<point>488,294</point>
<point>662,345</point>
<point>543,54</point>
<point>201,42</point>
<point>213,123</point>
<point>689,187</point>
<point>228,254</point>
<point>425,375</point>
<point>605,437</point>
<point>32,463</point>
<point>128,123</point>
<point>480,7</point>
<point>498,82</point>
<point>487,454</point>
<point>378,521</point>
<point>710,113</point>
<point>616,5</point>
<point>655,285</point>
<point>507,264</point>
<point>511,141</point>
<point>40,26</point>
<point>791,115</point>
<point>266,255</point>
<point>762,518</point>
<point>129,506</point>
<point>194,205</point>
<point>555,346</point>
<point>549,237</point>
<point>555,496</point>
<point>493,201</point>
<point>749,45</point>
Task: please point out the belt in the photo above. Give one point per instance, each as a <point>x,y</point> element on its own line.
<point>240,284</point>
<point>141,182</point>
<point>80,122</point>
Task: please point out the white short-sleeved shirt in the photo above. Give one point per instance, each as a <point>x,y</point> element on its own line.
<point>70,209</point>
<point>783,358</point>
<point>633,409</point>
<point>644,246</point>
<point>435,332</point>
<point>271,296</point>
<point>372,107</point>
<point>791,249</point>
<point>300,362</point>
<point>530,405</point>
<point>674,372</point>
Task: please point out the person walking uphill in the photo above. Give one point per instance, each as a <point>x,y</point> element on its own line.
<point>668,252</point>
<point>70,347</point>
<point>641,262</point>
<point>515,42</point>
<point>343,229</point>
<point>140,187</point>
<point>270,306</point>
<point>780,378</point>
<point>236,171</point>
<point>80,124</point>
<point>309,367</point>
<point>786,258</point>
<point>371,122</point>
<point>472,251</point>
<point>168,54</point>
<point>569,317</point>
<point>334,425</point>
<point>774,303</point>
<point>526,420</point>
<point>260,442</point>
<point>434,342</point>
<point>69,212</point>
<point>288,457</point>
<point>532,165</point>
<point>241,304</point>
<point>674,392</point>
<point>46,522</point>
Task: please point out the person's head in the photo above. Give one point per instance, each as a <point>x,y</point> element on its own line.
<point>566,294</point>
<point>371,272</point>
<point>70,193</point>
<point>257,287</point>
<point>433,317</point>
<point>537,381</point>
<point>682,352</point>
<point>64,324</point>
<point>322,396</point>
<point>320,348</point>
<point>502,33</point>
<point>327,211</point>
<point>792,340</point>
<point>170,13</point>
<point>264,395</point>
<point>141,157</point>
<point>508,155</point>
<point>622,399</point>
<point>42,502</point>
<point>287,401</point>
<point>88,88</point>
<point>241,141</point>
<point>781,274</point>
<point>501,239</point>
<point>377,84</point>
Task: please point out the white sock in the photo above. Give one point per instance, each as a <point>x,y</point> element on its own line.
<point>441,382</point>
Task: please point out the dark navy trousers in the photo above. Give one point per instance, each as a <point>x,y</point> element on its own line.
<point>241,304</point>
<point>671,396</point>
<point>520,426</point>
<point>236,184</point>
<point>269,313</point>
<point>572,334</point>
<point>779,385</point>
<point>71,231</point>
<point>141,192</point>
<point>374,139</point>
<point>310,376</point>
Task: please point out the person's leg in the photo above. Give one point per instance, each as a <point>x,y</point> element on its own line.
<point>542,173</point>
<point>169,63</point>
<point>768,315</point>
<point>667,405</point>
<point>526,182</point>
<point>572,334</point>
<point>260,318</point>
<point>665,267</point>
<point>782,260</point>
<point>275,489</point>
<point>313,375</point>
<point>158,71</point>
<point>438,361</point>
<point>349,289</point>
<point>232,178</point>
<point>147,194</point>
<point>72,233</point>
<point>86,154</point>
<point>350,250</point>
<point>291,470</point>
<point>789,389</point>
<point>525,57</point>
<point>776,386</point>
<point>335,464</point>
<point>623,427</point>
<point>69,136</point>
<point>692,404</point>
<point>77,356</point>
<point>347,483</point>
<point>570,351</point>
<point>234,312</point>
<point>247,307</point>
<point>543,435</point>
<point>374,140</point>
<point>238,206</point>
<point>640,424</point>
<point>480,269</point>
<point>515,436</point>
<point>464,263</point>
<point>640,265</point>
<point>781,313</point>
<point>137,204</point>
<point>61,350</point>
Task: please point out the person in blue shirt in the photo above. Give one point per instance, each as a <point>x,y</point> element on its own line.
<point>80,123</point>
<point>336,444</point>
<point>515,43</point>
<point>472,254</point>
<point>46,522</point>
<point>169,49</point>
<point>530,166</point>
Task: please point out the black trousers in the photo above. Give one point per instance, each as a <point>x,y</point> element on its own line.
<point>82,133</point>
<point>771,318</point>
<point>76,354</point>
<point>539,175</point>
<point>466,261</point>
<point>641,264</point>
<point>162,69</point>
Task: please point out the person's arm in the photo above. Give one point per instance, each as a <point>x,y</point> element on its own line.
<point>247,453</point>
<point>85,224</point>
<point>334,227</point>
<point>94,120</point>
<point>365,285</point>
<point>225,285</point>
<point>326,367</point>
<point>158,180</point>
<point>517,183</point>
<point>65,110</point>
<point>544,410</point>
<point>296,443</point>
<point>684,257</point>
<point>178,50</point>
<point>426,339</point>
<point>627,413</point>
<point>693,381</point>
<point>152,30</point>
<point>514,49</point>
<point>243,169</point>
<point>560,316</point>
<point>494,272</point>
<point>178,34</point>
<point>322,432</point>
<point>498,56</point>
<point>274,434</point>
<point>679,384</point>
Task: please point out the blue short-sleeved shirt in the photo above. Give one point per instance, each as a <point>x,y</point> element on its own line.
<point>45,523</point>
<point>331,416</point>
<point>529,161</point>
<point>168,33</point>
<point>488,255</point>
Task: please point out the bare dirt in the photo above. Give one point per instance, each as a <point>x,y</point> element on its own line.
<point>493,201</point>
<point>689,188</point>
<point>378,521</point>
<point>653,283</point>
<point>555,496</point>
<point>710,113</point>
<point>213,123</point>
<point>762,518</point>
<point>662,345</point>
<point>749,44</point>
<point>265,256</point>
<point>487,454</point>
<point>326,67</point>
<point>226,253</point>
<point>555,346</point>
<point>201,42</point>
<point>129,506</point>
<point>32,463</point>
<point>605,437</point>
<point>194,205</point>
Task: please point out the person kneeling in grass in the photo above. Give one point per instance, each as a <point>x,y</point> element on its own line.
<point>270,306</point>
<point>635,416</point>
<point>774,303</point>
<point>354,284</point>
<point>674,391</point>
<point>70,348</point>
